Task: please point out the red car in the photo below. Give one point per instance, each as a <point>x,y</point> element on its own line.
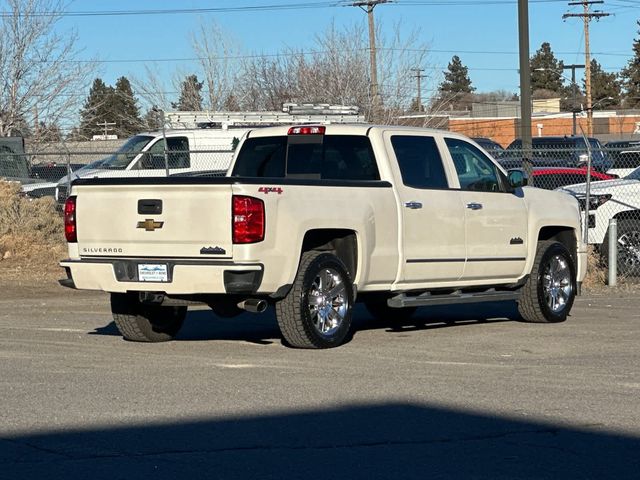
<point>551,178</point>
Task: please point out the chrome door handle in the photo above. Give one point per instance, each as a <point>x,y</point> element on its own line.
<point>413,205</point>
<point>474,206</point>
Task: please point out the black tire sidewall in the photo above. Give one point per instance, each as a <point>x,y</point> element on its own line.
<point>553,250</point>
<point>322,261</point>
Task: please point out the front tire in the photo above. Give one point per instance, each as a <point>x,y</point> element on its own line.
<point>548,294</point>
<point>316,313</point>
<point>138,322</point>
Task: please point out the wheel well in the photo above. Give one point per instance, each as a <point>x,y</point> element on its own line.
<point>564,235</point>
<point>627,215</point>
<point>343,243</point>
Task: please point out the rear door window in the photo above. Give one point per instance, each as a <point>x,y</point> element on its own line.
<point>419,161</point>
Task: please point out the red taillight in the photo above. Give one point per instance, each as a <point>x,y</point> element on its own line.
<point>307,130</point>
<point>248,219</point>
<point>70,230</point>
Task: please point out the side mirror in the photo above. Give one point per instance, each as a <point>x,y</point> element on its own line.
<point>517,178</point>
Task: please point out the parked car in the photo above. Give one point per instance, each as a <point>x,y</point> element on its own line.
<point>551,178</point>
<point>557,152</point>
<point>619,199</point>
<point>491,146</point>
<point>624,155</point>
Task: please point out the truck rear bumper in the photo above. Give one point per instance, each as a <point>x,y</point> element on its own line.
<point>184,277</point>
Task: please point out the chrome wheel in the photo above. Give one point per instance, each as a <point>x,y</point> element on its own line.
<point>629,252</point>
<point>328,301</point>
<point>556,283</point>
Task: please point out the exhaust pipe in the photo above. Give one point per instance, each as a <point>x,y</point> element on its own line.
<point>253,305</point>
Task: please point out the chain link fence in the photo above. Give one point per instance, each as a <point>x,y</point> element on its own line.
<point>613,190</point>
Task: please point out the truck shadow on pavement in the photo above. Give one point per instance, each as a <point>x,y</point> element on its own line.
<point>262,329</point>
<point>379,441</point>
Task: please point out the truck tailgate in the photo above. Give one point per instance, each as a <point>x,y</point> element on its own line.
<point>161,220</point>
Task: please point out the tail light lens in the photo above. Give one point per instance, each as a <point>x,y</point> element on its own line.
<point>248,219</point>
<point>70,230</point>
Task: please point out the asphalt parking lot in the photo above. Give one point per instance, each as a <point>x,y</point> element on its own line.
<point>453,393</point>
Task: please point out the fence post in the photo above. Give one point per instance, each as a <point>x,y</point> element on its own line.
<point>613,253</point>
<point>68,176</point>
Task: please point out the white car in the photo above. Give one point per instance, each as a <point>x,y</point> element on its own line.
<point>619,199</point>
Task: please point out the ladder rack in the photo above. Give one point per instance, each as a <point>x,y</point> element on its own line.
<point>323,114</point>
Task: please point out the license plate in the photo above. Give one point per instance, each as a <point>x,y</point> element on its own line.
<point>152,272</point>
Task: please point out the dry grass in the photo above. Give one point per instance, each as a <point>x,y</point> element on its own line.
<point>596,277</point>
<point>31,235</point>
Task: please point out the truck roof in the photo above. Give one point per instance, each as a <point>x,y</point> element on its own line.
<point>344,129</point>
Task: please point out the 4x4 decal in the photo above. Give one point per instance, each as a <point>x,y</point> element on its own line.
<point>267,190</point>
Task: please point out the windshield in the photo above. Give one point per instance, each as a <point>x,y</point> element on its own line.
<point>126,153</point>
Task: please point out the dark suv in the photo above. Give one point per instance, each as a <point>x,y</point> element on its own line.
<point>491,146</point>
<point>557,152</point>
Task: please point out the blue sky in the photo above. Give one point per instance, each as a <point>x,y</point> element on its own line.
<point>482,33</point>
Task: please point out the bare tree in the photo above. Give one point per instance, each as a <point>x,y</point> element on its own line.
<point>40,74</point>
<point>338,72</point>
<point>152,89</point>
<point>218,54</point>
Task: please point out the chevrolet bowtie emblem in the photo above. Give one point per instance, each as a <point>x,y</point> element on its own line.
<point>150,224</point>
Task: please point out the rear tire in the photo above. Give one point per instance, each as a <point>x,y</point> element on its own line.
<point>138,322</point>
<point>316,313</point>
<point>550,290</point>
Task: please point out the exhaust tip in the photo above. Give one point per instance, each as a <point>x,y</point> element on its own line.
<point>253,305</point>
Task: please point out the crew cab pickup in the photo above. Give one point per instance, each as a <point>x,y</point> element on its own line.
<point>311,219</point>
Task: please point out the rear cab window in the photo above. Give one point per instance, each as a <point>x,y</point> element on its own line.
<point>309,157</point>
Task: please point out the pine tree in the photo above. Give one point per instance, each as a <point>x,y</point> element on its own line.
<point>125,108</point>
<point>456,89</point>
<point>605,87</point>
<point>190,97</point>
<point>456,78</point>
<point>630,76</point>
<point>546,71</point>
<point>152,120</point>
<point>96,110</point>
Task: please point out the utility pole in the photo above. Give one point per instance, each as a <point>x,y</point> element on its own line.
<point>368,6</point>
<point>525,87</point>
<point>418,76</point>
<point>574,86</point>
<point>587,15</point>
<point>106,126</point>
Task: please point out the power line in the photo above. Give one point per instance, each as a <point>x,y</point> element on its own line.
<point>175,11</point>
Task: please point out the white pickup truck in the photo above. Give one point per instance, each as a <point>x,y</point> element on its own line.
<point>311,219</point>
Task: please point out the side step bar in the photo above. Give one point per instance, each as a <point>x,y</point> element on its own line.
<point>457,297</point>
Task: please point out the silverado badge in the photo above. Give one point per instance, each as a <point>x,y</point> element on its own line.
<point>150,224</point>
